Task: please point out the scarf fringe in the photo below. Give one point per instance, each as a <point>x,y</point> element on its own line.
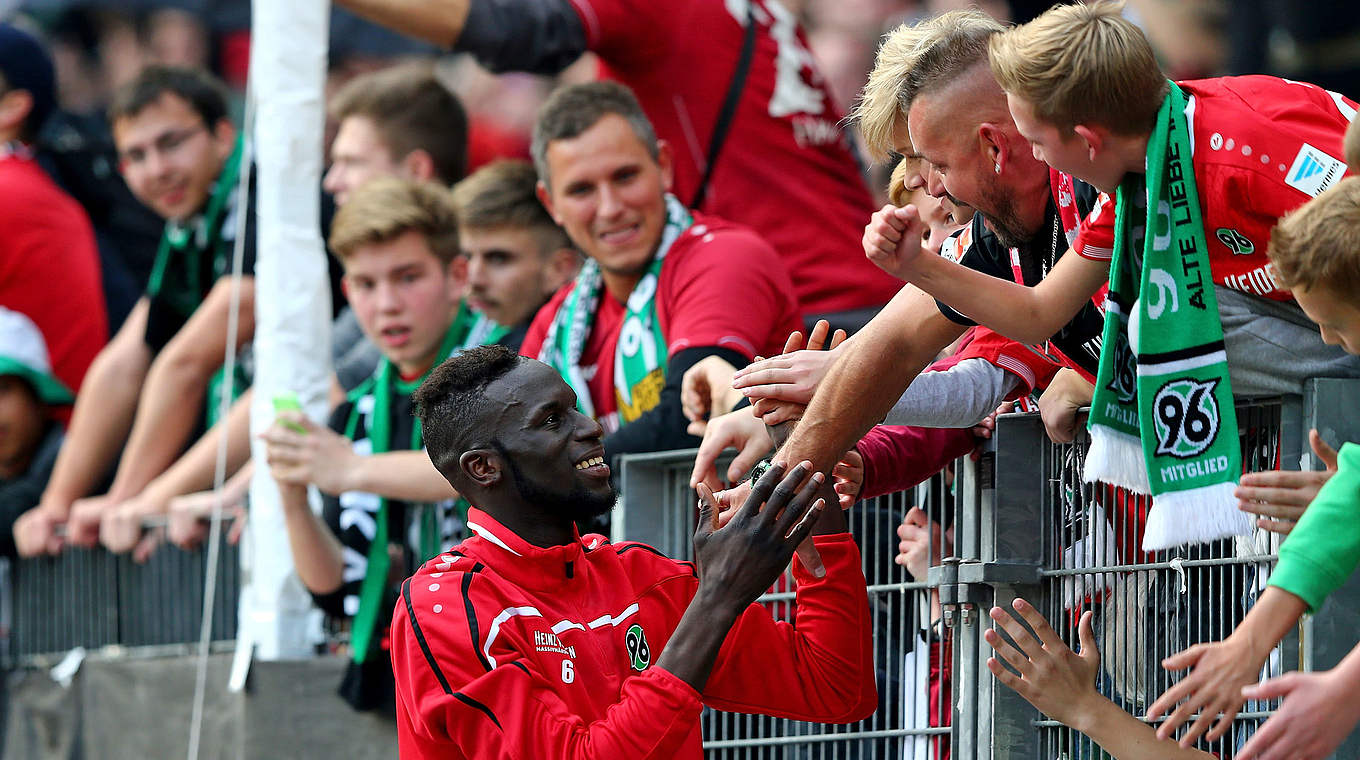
<point>1198,515</point>
<point>1116,458</point>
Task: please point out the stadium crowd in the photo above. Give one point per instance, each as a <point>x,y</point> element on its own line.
<point>660,235</point>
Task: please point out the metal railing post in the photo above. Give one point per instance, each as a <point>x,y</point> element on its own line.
<point>1014,541</point>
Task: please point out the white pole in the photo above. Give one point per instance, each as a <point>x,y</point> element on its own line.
<point>292,300</point>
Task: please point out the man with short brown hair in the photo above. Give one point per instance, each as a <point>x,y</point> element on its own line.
<point>663,288</point>
<point>516,255</point>
<point>400,121</point>
<point>180,155</point>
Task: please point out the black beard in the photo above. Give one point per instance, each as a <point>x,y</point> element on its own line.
<point>1005,235</point>
<point>1003,220</point>
<point>579,505</point>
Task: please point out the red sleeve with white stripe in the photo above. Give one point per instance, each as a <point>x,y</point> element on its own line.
<point>452,704</point>
<point>1095,241</point>
<point>1031,366</point>
<point>819,669</point>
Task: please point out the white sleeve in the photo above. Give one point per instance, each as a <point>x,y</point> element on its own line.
<point>958,397</point>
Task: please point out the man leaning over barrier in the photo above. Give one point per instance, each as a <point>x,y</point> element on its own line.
<point>532,640</point>
<point>1018,208</point>
<point>1083,87</point>
<point>180,155</point>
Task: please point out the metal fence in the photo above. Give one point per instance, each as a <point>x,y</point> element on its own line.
<point>1017,521</point>
<point>1025,525</point>
<point>658,507</point>
<point>90,598</point>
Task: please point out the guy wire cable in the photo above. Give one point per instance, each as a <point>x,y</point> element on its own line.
<point>243,209</point>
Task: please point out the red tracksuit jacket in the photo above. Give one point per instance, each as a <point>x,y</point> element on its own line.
<point>505,650</point>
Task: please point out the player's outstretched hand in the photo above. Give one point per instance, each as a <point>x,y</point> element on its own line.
<point>741,559</point>
<point>1059,682</point>
<point>1318,713</point>
<point>1212,689</point>
<point>1279,497</point>
<point>893,238</point>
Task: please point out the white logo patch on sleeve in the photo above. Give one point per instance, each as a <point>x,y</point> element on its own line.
<point>1314,171</point>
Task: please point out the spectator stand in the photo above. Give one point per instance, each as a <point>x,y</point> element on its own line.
<point>1025,525</point>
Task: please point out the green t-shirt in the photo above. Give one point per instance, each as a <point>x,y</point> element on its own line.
<point>1324,548</point>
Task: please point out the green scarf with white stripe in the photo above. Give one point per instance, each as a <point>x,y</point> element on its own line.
<point>1162,420</point>
<point>640,359</point>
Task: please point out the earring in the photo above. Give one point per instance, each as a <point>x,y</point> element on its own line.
<point>997,167</point>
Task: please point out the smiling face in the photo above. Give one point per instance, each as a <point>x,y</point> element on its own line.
<point>358,154</point>
<point>169,157</point>
<point>608,193</point>
<point>553,454</point>
<point>404,298</point>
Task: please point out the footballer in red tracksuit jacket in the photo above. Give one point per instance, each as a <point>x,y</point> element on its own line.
<point>507,648</point>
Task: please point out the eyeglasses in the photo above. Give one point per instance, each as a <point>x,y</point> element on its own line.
<point>166,144</point>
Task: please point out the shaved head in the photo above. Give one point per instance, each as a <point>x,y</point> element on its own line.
<point>959,106</point>
<point>963,127</point>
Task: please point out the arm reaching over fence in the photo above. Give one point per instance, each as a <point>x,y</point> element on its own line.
<point>1061,684</point>
<point>1222,668</point>
<point>1319,711</point>
<point>1280,496</point>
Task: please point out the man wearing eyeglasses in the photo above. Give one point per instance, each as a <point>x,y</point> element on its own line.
<point>180,155</point>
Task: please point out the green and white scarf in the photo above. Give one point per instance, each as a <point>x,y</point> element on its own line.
<point>481,330</point>
<point>1162,420</point>
<point>383,386</point>
<point>639,360</point>
<point>468,329</point>
<point>182,286</point>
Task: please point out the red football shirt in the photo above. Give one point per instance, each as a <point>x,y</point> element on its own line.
<point>720,285</point>
<point>1261,147</point>
<point>502,649</point>
<point>786,169</point>
<point>49,267</point>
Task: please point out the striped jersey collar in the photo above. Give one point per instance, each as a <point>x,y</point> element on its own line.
<point>525,564</point>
